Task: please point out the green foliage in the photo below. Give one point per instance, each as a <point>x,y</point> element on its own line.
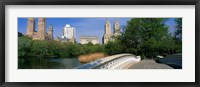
<point>72,50</point>
<point>54,48</point>
<point>24,45</point>
<point>91,48</point>
<point>39,48</point>
<point>178,32</point>
<point>43,48</point>
<point>148,37</point>
<point>113,47</point>
<point>178,35</point>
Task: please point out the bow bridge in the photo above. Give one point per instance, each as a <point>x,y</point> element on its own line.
<point>119,61</point>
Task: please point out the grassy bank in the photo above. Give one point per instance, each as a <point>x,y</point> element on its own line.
<point>91,57</point>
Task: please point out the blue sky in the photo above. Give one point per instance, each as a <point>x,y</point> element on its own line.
<point>83,26</point>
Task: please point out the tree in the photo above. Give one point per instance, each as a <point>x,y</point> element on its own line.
<point>20,34</point>
<point>39,48</point>
<point>144,35</point>
<point>178,27</point>
<point>24,44</point>
<point>54,48</point>
<point>113,47</point>
<point>72,50</point>
<point>178,35</point>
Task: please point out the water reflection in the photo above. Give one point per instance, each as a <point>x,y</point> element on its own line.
<point>48,63</point>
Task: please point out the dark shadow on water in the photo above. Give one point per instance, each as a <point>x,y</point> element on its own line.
<point>47,63</point>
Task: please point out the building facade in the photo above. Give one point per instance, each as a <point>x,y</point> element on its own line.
<point>116,28</point>
<point>68,34</point>
<point>107,33</point>
<point>108,36</point>
<point>41,34</point>
<point>50,32</point>
<point>88,39</point>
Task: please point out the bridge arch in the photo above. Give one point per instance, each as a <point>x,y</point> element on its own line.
<point>119,61</point>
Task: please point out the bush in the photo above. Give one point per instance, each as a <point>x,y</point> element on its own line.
<point>39,48</point>
<point>113,47</point>
<point>24,44</point>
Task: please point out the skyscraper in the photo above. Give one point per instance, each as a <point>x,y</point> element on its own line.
<point>50,33</point>
<point>41,33</point>
<point>107,33</point>
<point>116,28</point>
<point>42,28</point>
<point>31,26</point>
<point>69,33</point>
<point>108,36</point>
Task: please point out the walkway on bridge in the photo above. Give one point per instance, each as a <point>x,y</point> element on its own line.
<point>149,64</point>
<point>130,61</point>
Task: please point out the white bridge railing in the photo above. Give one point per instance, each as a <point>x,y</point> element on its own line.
<point>118,61</point>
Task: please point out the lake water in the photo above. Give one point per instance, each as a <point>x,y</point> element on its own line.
<point>46,63</point>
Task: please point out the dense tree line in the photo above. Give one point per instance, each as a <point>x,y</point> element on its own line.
<point>44,48</point>
<point>150,37</point>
